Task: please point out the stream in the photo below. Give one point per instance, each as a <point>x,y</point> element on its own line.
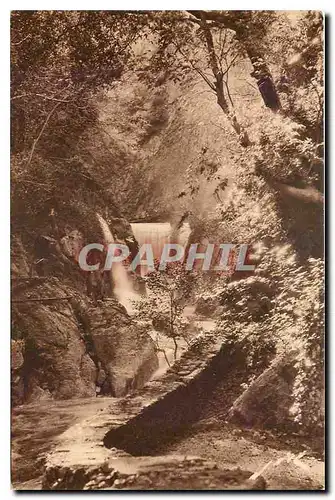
<point>35,426</point>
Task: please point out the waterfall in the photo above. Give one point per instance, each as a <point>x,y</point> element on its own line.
<point>159,233</point>
<point>123,286</point>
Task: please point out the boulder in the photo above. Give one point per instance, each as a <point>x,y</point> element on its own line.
<point>72,244</point>
<point>50,355</point>
<point>124,348</point>
<point>64,343</point>
<point>57,362</point>
<point>206,306</point>
<point>59,340</point>
<point>268,399</point>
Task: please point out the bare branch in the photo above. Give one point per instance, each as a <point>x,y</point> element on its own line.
<point>51,299</point>
<point>48,98</point>
<point>214,65</point>
<point>20,96</point>
<point>198,70</point>
<point>231,63</point>
<point>21,41</point>
<point>42,130</point>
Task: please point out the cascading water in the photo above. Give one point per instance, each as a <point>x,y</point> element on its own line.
<point>157,234</point>
<point>123,286</point>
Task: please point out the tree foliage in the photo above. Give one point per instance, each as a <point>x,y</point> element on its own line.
<point>81,138</point>
<point>60,63</point>
<point>167,294</point>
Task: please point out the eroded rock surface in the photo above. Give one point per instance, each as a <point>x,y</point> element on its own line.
<point>62,346</point>
<point>124,445</point>
<point>135,426</point>
<point>123,347</point>
<point>268,399</point>
<point>155,473</point>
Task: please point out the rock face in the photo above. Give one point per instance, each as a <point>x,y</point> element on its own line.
<point>19,258</point>
<point>17,361</point>
<point>56,363</point>
<point>64,348</point>
<point>123,347</point>
<point>267,401</point>
<point>110,450</point>
<point>72,243</point>
<point>123,233</point>
<point>68,348</point>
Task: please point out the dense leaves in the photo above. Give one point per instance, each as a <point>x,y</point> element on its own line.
<point>167,294</point>
<point>96,97</point>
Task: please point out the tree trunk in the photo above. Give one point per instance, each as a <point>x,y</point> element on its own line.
<point>260,71</point>
<point>219,90</point>
<point>265,84</point>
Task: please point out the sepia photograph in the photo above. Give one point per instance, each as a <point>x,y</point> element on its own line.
<point>167,250</point>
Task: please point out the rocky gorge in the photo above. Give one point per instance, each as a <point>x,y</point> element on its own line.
<point>167,379</point>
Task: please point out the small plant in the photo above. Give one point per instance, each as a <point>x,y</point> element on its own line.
<point>167,292</point>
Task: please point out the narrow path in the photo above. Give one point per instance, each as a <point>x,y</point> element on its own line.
<point>34,429</point>
<point>176,423</point>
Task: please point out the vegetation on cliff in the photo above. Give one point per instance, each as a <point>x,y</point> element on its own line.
<point>211,117</point>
